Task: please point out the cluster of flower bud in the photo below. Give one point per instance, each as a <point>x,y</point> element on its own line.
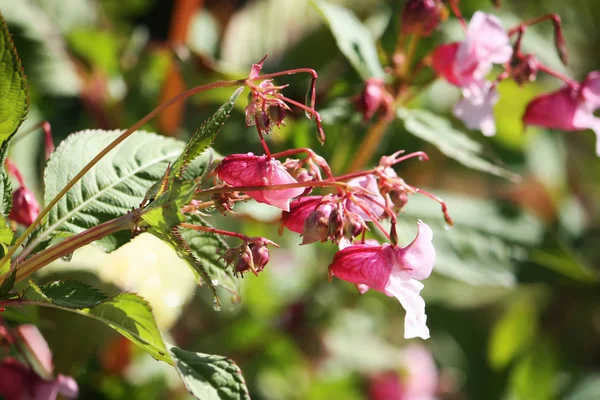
<point>251,255</point>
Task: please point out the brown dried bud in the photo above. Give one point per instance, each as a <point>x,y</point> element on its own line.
<point>525,70</point>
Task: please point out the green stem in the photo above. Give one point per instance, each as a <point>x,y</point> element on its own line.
<point>69,245</point>
<point>98,157</point>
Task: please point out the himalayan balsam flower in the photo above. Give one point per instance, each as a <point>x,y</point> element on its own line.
<point>570,108</point>
<point>299,211</point>
<point>394,271</point>
<point>250,170</point>
<point>466,65</point>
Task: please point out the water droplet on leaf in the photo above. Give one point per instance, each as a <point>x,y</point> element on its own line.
<point>67,257</point>
<point>216,305</point>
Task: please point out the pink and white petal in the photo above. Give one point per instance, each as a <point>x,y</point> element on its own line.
<point>487,39</point>
<point>368,182</point>
<point>477,112</point>
<point>416,260</point>
<point>590,89</point>
<point>554,110</point>
<point>407,293</point>
<point>67,386</point>
<point>37,345</point>
<point>362,289</point>
<point>584,119</point>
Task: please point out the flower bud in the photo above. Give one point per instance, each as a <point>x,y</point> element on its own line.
<point>372,98</point>
<point>25,207</point>
<point>300,209</point>
<point>336,224</point>
<point>421,17</point>
<point>277,113</point>
<point>244,260</point>
<point>354,225</point>
<point>260,256</point>
<point>399,199</point>
<point>525,70</point>
<point>316,226</point>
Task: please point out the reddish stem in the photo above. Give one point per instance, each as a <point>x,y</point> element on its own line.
<point>456,11</point>
<point>14,171</point>
<point>442,203</point>
<point>421,154</point>
<point>558,75</point>
<point>214,230</point>
<point>309,110</point>
<point>313,83</point>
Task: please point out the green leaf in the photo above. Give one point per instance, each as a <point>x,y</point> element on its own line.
<point>535,376</point>
<point>14,105</point>
<point>513,333</point>
<point>487,243</point>
<point>587,389</point>
<point>208,248</point>
<point>113,186</point>
<point>209,377</point>
<point>353,39</point>
<point>453,143</point>
<point>127,313</point>
<point>204,136</point>
<point>69,294</point>
<point>14,97</point>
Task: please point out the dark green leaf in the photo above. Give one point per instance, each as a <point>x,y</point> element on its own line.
<point>116,184</point>
<point>208,249</point>
<point>452,142</point>
<point>353,39</point>
<point>8,283</point>
<point>209,377</point>
<point>69,294</point>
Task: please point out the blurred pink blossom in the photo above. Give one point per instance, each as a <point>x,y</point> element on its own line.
<point>570,108</point>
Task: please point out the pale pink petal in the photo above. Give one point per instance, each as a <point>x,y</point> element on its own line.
<point>407,293</point>
<point>362,289</point>
<point>418,258</point>
<point>368,182</point>
<point>487,42</point>
<point>421,379</point>
<point>590,89</point>
<point>584,119</point>
<point>37,345</point>
<point>67,386</point>
<point>477,111</point>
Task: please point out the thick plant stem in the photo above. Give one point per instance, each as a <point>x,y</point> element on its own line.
<point>105,151</point>
<point>69,245</point>
<point>370,143</point>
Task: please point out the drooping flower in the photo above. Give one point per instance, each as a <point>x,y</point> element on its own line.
<point>299,211</point>
<point>421,17</point>
<point>570,108</point>
<point>466,65</point>
<point>373,98</point>
<point>394,271</point>
<point>249,170</point>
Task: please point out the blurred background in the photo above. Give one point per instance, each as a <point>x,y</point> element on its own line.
<point>514,301</point>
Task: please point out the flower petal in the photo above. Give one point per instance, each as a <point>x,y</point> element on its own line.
<point>299,210</point>
<point>553,110</point>
<point>368,182</point>
<point>418,258</point>
<point>476,109</point>
<point>407,293</point>
<point>364,264</point>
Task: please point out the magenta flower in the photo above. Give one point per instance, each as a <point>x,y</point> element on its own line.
<point>466,65</point>
<point>394,271</point>
<point>570,108</point>
<point>250,170</point>
<point>18,382</point>
<point>299,211</point>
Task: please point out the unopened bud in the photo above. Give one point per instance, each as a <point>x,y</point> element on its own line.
<point>372,98</point>
<point>316,226</point>
<point>260,256</point>
<point>336,224</point>
<point>421,17</point>
<point>25,208</point>
<point>559,41</point>
<point>244,261</point>
<point>354,225</point>
<point>399,199</point>
<point>525,70</point>
<point>263,121</point>
<point>277,113</point>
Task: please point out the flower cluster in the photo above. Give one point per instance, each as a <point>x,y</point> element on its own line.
<point>345,210</point>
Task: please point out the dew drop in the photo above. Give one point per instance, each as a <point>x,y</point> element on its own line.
<point>216,305</point>
<point>67,257</point>
<point>215,282</point>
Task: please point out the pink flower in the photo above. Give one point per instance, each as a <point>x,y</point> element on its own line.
<point>570,108</point>
<point>466,65</point>
<point>373,98</point>
<point>371,202</point>
<point>250,170</point>
<point>299,212</point>
<point>394,271</point>
<point>18,382</point>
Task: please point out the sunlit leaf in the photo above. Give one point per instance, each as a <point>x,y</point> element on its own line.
<point>453,143</point>
<point>535,375</point>
<point>112,188</point>
<point>209,377</point>
<point>353,38</point>
<point>127,313</point>
<point>513,333</point>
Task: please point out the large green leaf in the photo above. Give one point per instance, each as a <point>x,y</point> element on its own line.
<point>453,143</point>
<point>127,313</point>
<point>209,377</point>
<point>208,249</point>
<point>14,104</point>
<point>112,188</point>
<point>353,39</point>
<point>486,245</point>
